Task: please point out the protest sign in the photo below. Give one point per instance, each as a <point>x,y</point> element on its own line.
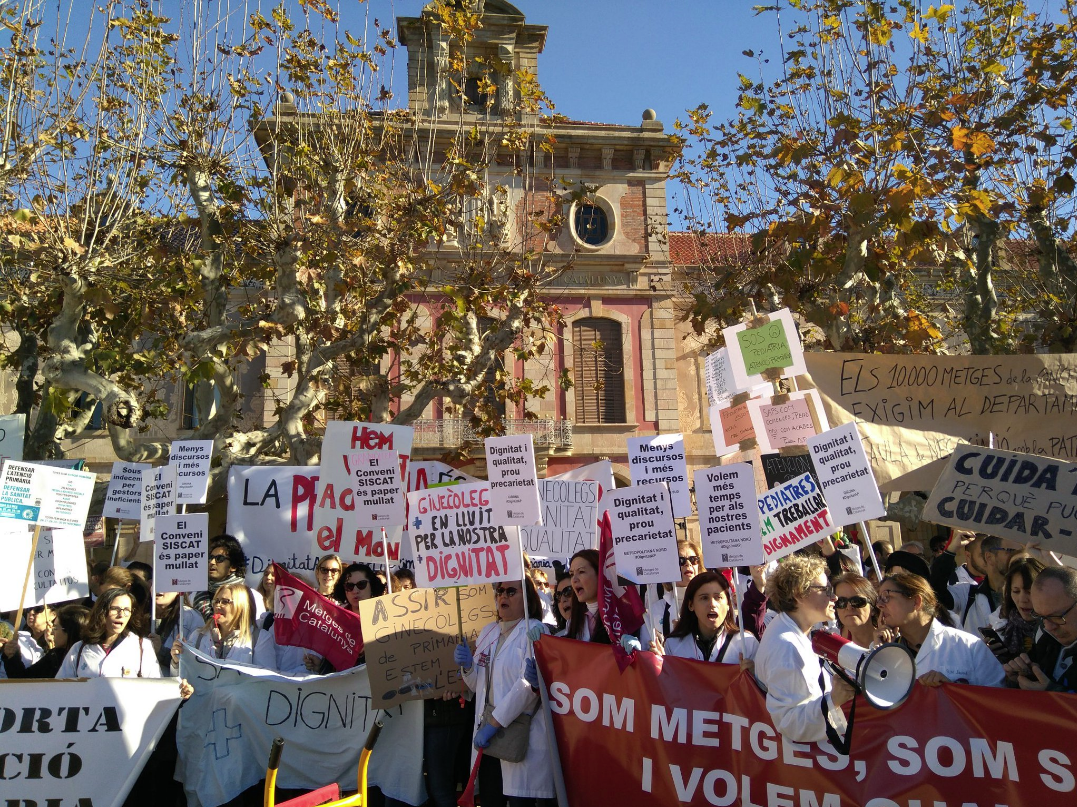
<point>913,409</point>
<point>79,743</point>
<point>644,533</point>
<point>423,474</point>
<point>569,521</point>
<point>791,516</point>
<point>455,541</point>
<point>661,459</point>
<point>780,468</point>
<point>304,618</point>
<point>58,574</point>
<point>181,553</point>
<point>718,377</point>
<point>411,635</point>
<point>158,498</point>
<point>731,425</point>
<point>12,429</point>
<point>124,496</point>
<point>48,497</point>
<point>845,476</point>
<point>786,420</point>
<point>675,731</point>
<point>728,516</point>
<point>513,485</point>
<point>764,352</point>
<point>377,488</point>
<point>236,712</point>
<point>601,472</point>
<point>191,459</point>
<point>1020,496</point>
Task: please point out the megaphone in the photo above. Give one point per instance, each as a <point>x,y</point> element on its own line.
<point>885,674</point>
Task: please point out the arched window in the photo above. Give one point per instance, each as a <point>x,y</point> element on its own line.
<point>598,361</point>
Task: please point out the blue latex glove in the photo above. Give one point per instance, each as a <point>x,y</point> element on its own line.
<point>531,673</point>
<point>630,644</point>
<point>534,633</point>
<point>485,733</point>
<point>462,656</point>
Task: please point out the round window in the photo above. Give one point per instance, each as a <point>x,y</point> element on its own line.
<point>591,224</point>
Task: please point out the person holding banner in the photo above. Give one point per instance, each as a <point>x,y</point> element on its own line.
<point>31,642</point>
<point>169,607</point>
<point>505,681</point>
<point>113,643</point>
<point>67,625</point>
<point>232,634</point>
<point>803,702</point>
<point>706,629</point>
<point>357,583</point>
<point>327,573</point>
<point>855,608</point>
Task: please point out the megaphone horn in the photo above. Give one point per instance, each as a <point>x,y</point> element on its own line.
<point>884,674</point>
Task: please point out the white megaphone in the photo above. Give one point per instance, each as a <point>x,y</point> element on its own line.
<point>885,674</point>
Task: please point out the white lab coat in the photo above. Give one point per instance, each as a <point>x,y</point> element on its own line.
<point>658,611</point>
<point>958,656</point>
<point>512,696</point>
<point>124,660</point>
<point>960,590</point>
<point>789,669</point>
<point>645,634</point>
<point>263,654</point>
<point>29,649</point>
<point>979,615</point>
<point>686,647</point>
<point>192,621</point>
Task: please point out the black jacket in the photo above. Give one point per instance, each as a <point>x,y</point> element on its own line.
<point>1045,653</point>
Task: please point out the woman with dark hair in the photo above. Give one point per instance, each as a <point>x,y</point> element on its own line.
<point>67,625</point>
<point>907,604</point>
<point>563,600</point>
<point>1017,624</point>
<point>857,616</point>
<point>113,643</point>
<point>357,583</point>
<point>584,623</point>
<point>706,629</point>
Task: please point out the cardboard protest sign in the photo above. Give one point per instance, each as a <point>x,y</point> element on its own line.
<point>181,553</point>
<point>662,459</point>
<point>58,574</point>
<point>644,533</point>
<point>410,637</point>
<point>569,521</point>
<point>513,483</point>
<point>792,516</point>
<point>191,459</point>
<point>12,429</point>
<point>377,488</point>
<point>109,727</point>
<point>124,496</point>
<point>48,497</point>
<point>158,498</point>
<point>786,420</point>
<point>728,516</point>
<point>780,468</point>
<point>455,541</point>
<point>764,352</point>
<point>845,475</point>
<point>1026,498</point>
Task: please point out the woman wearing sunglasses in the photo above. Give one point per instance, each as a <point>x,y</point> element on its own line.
<point>357,583</point>
<point>855,609</point>
<point>327,574</point>
<point>503,678</point>
<point>113,643</point>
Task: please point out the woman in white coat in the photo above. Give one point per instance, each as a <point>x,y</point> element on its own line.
<point>231,634</point>
<point>706,629</point>
<point>944,654</point>
<point>112,644</point>
<point>503,677</point>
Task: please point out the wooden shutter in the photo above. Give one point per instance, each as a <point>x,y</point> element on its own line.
<point>598,359</point>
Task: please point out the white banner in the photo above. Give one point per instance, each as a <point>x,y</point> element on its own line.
<point>728,516</point>
<point>79,743</point>
<point>601,472</point>
<point>59,573</point>
<point>191,459</point>
<point>513,484</point>
<point>377,488</point>
<point>423,474</point>
<point>48,497</point>
<point>644,533</point>
<point>181,556</point>
<point>845,475</point>
<point>236,711</point>
<point>124,496</point>
<point>569,522</point>
<point>662,459</point>
<point>792,516</point>
<point>158,498</point>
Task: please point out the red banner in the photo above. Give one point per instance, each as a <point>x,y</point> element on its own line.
<point>304,618</point>
<point>620,608</point>
<point>672,731</point>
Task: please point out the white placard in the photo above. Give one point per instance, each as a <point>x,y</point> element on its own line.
<point>158,498</point>
<point>644,533</point>
<point>181,553</point>
<point>454,540</point>
<point>191,459</point>
<point>124,497</point>
<point>791,516</point>
<point>12,429</point>
<point>601,472</point>
<point>59,572</point>
<point>798,417</point>
<point>49,497</point>
<point>661,459</point>
<point>510,463</point>
<point>841,463</point>
<point>423,474</point>
<point>376,488</point>
<point>569,521</point>
<point>728,516</point>
<point>780,331</point>
<point>718,377</point>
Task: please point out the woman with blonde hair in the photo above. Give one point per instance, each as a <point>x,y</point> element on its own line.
<point>231,633</point>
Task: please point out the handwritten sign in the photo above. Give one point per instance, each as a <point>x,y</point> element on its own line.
<point>513,483</point>
<point>569,521</point>
<point>787,420</point>
<point>410,636</point>
<point>662,459</point>
<point>424,474</point>
<point>728,516</point>
<point>845,474</point>
<point>718,377</point>
<point>730,426</point>
<point>191,459</point>
<point>781,468</point>
<point>644,533</point>
<point>58,572</point>
<point>376,488</point>
<point>158,498</point>
<point>792,516</point>
<point>765,352</point>
<point>124,496</point>
<point>181,553</point>
<point>49,497</point>
<point>455,541</point>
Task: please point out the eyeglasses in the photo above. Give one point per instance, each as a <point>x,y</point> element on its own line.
<point>855,602</point>
<point>565,592</point>
<point>222,601</point>
<point>508,591</point>
<point>115,610</point>
<point>828,589</point>
<point>218,559</point>
<point>329,569</point>
<point>692,559</point>
<point>885,596</point>
<point>361,585</point>
<point>1058,620</point>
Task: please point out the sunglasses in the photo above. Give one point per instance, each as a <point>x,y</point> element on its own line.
<point>360,586</point>
<point>565,592</point>
<point>693,559</point>
<point>855,602</point>
<point>218,559</point>
<point>329,570</point>
<point>508,591</point>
